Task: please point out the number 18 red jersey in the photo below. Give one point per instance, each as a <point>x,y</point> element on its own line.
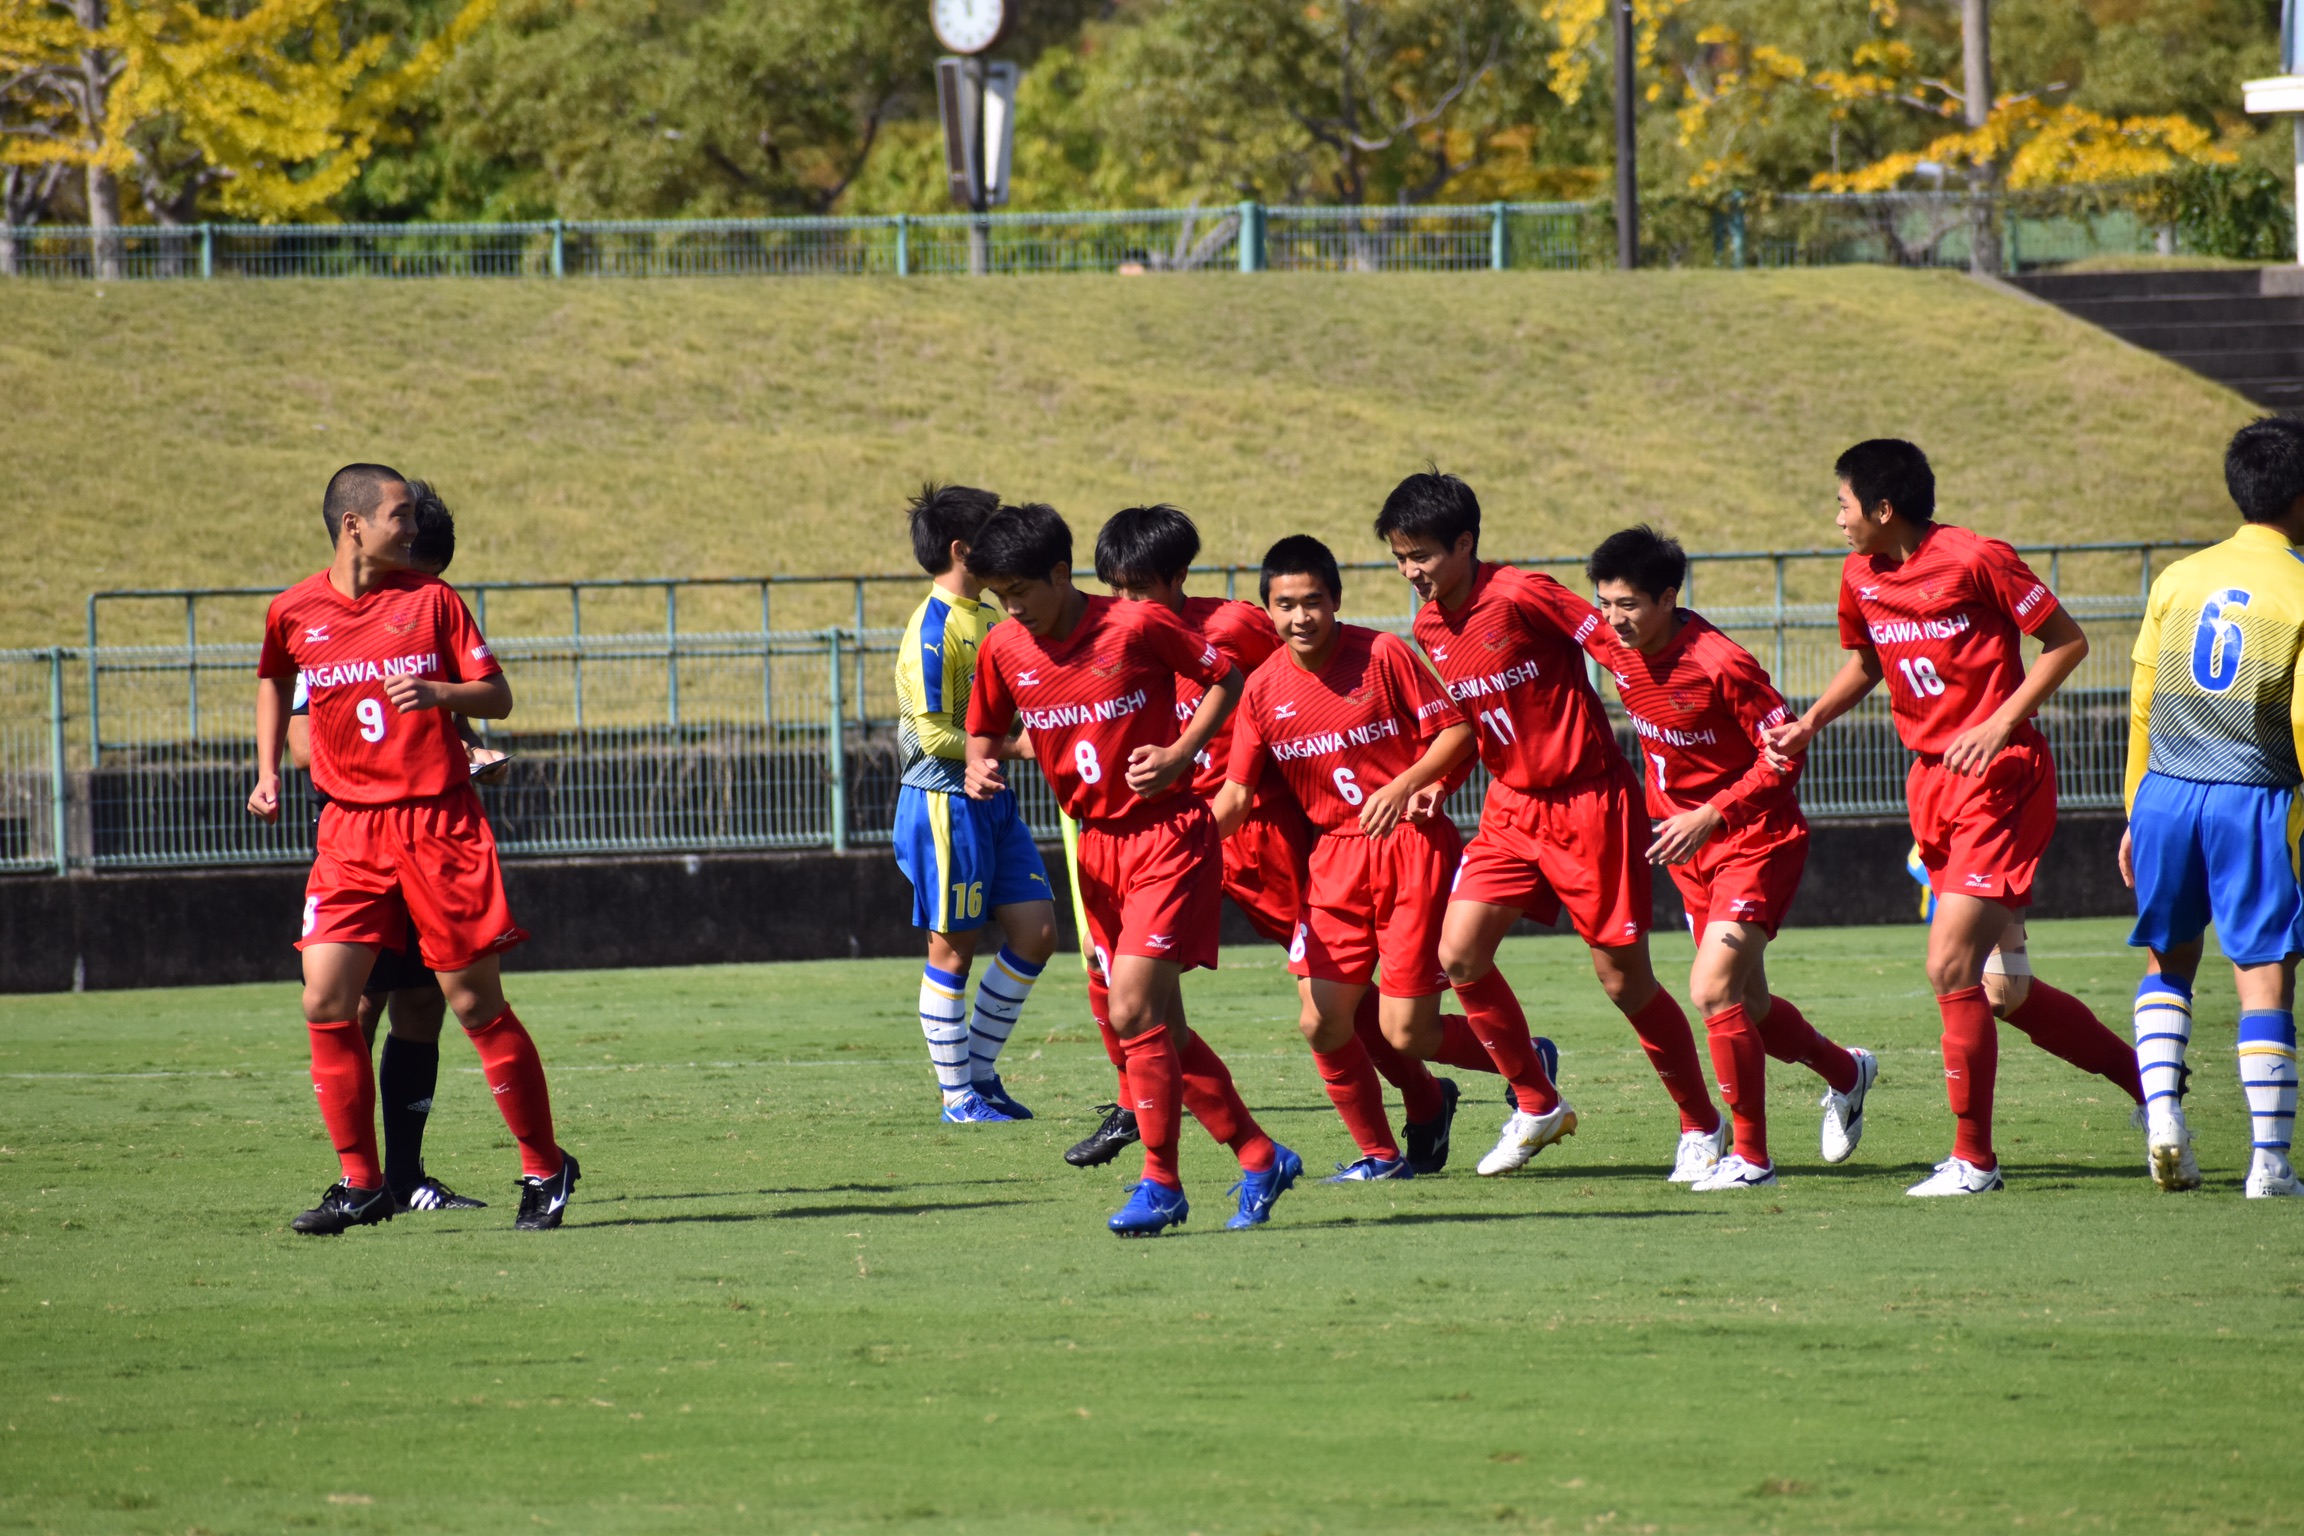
<point>1092,698</point>
<point>1946,624</point>
<point>364,751</point>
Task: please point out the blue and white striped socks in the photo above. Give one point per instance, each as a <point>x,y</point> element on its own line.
<point>944,1020</point>
<point>2163,1021</point>
<point>2268,1075</point>
<point>999,999</point>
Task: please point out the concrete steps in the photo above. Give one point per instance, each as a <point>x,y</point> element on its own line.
<point>2241,326</point>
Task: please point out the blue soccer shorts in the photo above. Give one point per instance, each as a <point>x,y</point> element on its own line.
<point>965,857</point>
<point>2221,853</point>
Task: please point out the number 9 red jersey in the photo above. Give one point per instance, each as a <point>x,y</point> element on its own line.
<point>364,751</point>
<point>1092,698</point>
<point>1945,624</point>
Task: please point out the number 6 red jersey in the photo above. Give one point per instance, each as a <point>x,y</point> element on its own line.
<point>1946,625</point>
<point>364,751</point>
<point>1092,698</point>
<point>1511,657</point>
<point>1355,725</point>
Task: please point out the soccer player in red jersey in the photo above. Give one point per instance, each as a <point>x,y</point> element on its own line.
<point>1561,827</point>
<point>1358,729</point>
<point>1939,612</point>
<point>390,657</point>
<point>1144,554</point>
<point>1094,681</point>
<point>1728,827</point>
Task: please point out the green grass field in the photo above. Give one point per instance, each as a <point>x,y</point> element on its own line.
<point>787,1300</point>
<point>179,434</point>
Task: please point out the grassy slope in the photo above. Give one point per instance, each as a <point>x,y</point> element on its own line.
<point>180,433</point>
<point>788,1301</point>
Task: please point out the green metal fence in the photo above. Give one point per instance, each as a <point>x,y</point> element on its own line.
<point>687,716</point>
<point>1903,229</point>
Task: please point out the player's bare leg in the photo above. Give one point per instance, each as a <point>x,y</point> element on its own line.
<point>344,1082</point>
<point>515,1075</point>
<point>1629,978</point>
<point>1744,1025</point>
<point>1329,1024</point>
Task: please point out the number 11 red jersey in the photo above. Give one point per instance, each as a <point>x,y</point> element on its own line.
<point>1512,659</point>
<point>364,751</point>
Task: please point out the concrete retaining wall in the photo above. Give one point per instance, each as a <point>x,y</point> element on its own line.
<point>196,927</point>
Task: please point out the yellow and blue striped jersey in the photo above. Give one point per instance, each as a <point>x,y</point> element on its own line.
<point>935,669</point>
<point>2217,696</point>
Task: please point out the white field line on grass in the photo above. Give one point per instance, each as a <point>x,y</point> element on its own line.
<point>636,1066</point>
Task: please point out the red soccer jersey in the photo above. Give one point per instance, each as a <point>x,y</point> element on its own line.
<point>1945,623</point>
<point>1244,633</point>
<point>1355,725</point>
<point>1092,697</point>
<point>1699,706</point>
<point>364,751</point>
<point>1512,658</point>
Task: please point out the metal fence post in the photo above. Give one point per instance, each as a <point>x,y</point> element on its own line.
<point>59,782</point>
<point>860,682</point>
<point>1251,237</point>
<point>1779,623</point>
<point>96,736</point>
<point>836,743</point>
<point>1499,238</point>
<point>192,667</point>
<point>672,655</point>
<point>1736,238</point>
<point>576,633</point>
<point>207,250</point>
<point>559,249</point>
<point>903,245</point>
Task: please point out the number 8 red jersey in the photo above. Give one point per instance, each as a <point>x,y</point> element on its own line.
<point>364,751</point>
<point>1946,624</point>
<point>1092,698</point>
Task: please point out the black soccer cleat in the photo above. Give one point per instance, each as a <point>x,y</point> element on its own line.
<point>343,1207</point>
<point>542,1200</point>
<point>1107,1141</point>
<point>1427,1140</point>
<point>429,1194</point>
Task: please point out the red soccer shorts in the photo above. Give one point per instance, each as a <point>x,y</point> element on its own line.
<point>1151,886</point>
<point>1375,905</point>
<point>1984,836</point>
<point>1580,847</point>
<point>1264,866</point>
<point>431,862</point>
<point>1749,875</point>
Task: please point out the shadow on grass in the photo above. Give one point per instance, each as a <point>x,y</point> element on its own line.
<point>816,1189</point>
<point>1439,1218</point>
<point>802,1212</point>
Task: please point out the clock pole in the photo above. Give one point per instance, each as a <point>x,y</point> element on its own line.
<point>979,228</point>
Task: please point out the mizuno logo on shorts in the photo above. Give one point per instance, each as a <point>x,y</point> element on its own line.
<point>1159,941</point>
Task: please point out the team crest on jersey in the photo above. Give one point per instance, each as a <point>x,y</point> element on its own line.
<point>1495,642</point>
<point>1102,669</point>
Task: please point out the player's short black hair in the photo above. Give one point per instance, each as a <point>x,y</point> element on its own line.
<point>355,488</point>
<point>1891,470</point>
<point>1300,554</point>
<point>1138,543</point>
<point>1644,559</point>
<point>1432,505</point>
<point>1023,542</point>
<point>2264,467</point>
<point>435,544</point>
<point>942,515</point>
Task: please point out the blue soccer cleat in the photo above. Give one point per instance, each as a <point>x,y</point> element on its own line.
<point>1549,1054</point>
<point>1152,1208</point>
<point>989,1089</point>
<point>1258,1192</point>
<point>1369,1169</point>
<point>970,1109</point>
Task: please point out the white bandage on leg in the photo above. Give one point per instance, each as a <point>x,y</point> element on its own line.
<point>2008,963</point>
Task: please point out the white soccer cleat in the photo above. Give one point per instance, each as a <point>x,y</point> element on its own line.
<point>1844,1112</point>
<point>2270,1178</point>
<point>1958,1176</point>
<point>1524,1136</point>
<point>1700,1152</point>
<point>1733,1172</point>
<point>2168,1152</point>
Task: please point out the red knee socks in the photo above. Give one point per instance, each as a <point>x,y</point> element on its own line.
<point>1788,1036</point>
<point>1419,1089</point>
<point>1350,1078</point>
<point>1971,1067</point>
<point>1664,1035</point>
<point>515,1075</point>
<point>1741,1063</point>
<point>1155,1091</point>
<point>346,1086</point>
<point>1216,1104</point>
<point>2063,1026</point>
<point>1492,1016</point>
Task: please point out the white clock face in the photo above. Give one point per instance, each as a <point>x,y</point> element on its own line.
<point>968,26</point>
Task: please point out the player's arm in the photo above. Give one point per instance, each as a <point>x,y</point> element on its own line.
<point>992,721</point>
<point>2063,646</point>
<point>1858,676</point>
<point>1153,769</point>
<point>483,698</point>
<point>300,741</point>
<point>1243,773</point>
<point>1386,805</point>
<point>273,698</point>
